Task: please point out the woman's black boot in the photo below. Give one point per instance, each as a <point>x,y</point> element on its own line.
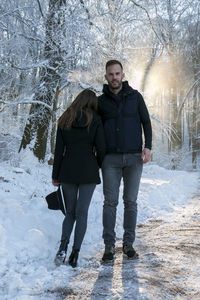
<point>61,254</point>
<point>73,258</point>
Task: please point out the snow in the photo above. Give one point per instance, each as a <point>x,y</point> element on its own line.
<point>30,233</point>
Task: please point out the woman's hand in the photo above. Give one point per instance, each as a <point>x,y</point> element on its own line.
<point>55,183</point>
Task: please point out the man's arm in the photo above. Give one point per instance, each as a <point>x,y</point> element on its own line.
<point>146,124</point>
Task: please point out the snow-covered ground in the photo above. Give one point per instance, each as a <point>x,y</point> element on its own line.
<point>30,233</point>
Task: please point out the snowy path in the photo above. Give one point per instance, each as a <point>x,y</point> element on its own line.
<point>167,240</point>
<point>168,267</point>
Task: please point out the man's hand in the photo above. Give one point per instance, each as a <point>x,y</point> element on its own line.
<point>146,155</point>
<point>55,183</point>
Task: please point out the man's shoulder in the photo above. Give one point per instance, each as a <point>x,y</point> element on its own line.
<point>135,94</point>
<point>100,97</point>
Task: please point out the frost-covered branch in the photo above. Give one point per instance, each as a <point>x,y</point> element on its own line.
<point>87,12</point>
<point>28,37</point>
<point>32,66</point>
<point>185,98</point>
<point>149,18</point>
<point>24,101</point>
<point>40,8</point>
<point>167,129</point>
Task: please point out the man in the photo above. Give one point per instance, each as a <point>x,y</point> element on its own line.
<point>124,115</point>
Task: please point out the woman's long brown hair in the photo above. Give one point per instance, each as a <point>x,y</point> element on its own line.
<point>85,102</point>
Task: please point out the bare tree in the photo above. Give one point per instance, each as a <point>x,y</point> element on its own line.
<point>49,80</point>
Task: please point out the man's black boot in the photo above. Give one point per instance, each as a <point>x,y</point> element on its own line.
<point>108,253</point>
<point>130,251</point>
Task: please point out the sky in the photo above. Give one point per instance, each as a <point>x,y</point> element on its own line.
<point>30,232</point>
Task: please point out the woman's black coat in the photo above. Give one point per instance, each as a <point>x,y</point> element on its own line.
<point>79,152</point>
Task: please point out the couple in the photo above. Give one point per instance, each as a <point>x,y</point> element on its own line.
<point>106,133</point>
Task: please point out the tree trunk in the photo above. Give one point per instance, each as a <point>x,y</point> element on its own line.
<point>148,68</point>
<point>37,125</point>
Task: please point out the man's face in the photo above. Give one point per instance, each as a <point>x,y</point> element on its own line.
<point>114,76</point>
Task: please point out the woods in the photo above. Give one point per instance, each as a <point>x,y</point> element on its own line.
<point>52,49</point>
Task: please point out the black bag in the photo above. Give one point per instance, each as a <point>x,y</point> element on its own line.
<point>56,200</point>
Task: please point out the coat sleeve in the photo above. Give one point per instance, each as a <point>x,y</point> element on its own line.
<point>58,155</point>
<point>99,143</point>
<point>146,122</point>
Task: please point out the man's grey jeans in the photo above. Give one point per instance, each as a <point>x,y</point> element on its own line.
<point>115,167</point>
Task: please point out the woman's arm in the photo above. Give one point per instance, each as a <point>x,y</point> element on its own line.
<point>99,142</point>
<point>58,156</point>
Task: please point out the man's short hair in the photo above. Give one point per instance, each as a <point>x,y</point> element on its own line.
<point>113,62</point>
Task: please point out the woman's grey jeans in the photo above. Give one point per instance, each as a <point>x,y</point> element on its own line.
<point>115,167</point>
<point>78,197</point>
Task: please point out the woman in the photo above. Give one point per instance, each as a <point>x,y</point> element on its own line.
<point>79,152</point>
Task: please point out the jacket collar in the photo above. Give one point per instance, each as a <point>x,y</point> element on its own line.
<point>126,89</point>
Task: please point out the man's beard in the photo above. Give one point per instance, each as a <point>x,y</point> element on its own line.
<point>115,87</point>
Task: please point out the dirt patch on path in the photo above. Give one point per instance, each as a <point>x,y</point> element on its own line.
<point>168,266</point>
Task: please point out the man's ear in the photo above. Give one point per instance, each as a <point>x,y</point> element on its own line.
<point>105,77</point>
<point>123,75</point>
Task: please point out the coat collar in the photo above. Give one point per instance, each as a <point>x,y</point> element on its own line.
<point>126,89</point>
